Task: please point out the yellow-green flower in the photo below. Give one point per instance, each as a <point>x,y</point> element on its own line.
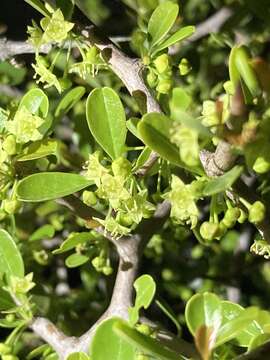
<point>55,28</point>
<point>25,126</point>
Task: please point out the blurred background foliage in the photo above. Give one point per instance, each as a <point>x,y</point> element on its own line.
<point>74,298</point>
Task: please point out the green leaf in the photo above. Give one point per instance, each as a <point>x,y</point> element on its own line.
<point>258,340</point>
<point>78,356</point>
<point>73,240</point>
<point>45,231</point>
<point>39,149</point>
<point>132,124</point>
<point>35,101</point>
<point>203,309</point>
<point>145,288</point>
<point>106,120</point>
<point>69,100</point>
<point>179,35</point>
<point>76,260</point>
<point>222,183</point>
<point>142,342</point>
<point>50,185</point>
<point>161,21</point>
<point>42,349</point>
<point>154,129</point>
<point>180,101</point>
<point>142,158</point>
<point>233,327</point>
<point>106,344</point>
<point>38,5</point>
<point>191,122</point>
<point>11,262</point>
<point>6,301</point>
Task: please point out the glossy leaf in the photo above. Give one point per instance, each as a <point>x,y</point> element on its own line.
<point>50,185</point>
<point>76,260</point>
<point>73,240</point>
<point>154,129</point>
<point>69,100</point>
<point>106,344</point>
<point>132,124</point>
<point>144,343</point>
<point>233,327</point>
<point>179,35</point>
<point>39,149</point>
<point>203,309</point>
<point>106,120</point>
<point>224,182</point>
<point>78,356</point>
<point>6,301</point>
<point>145,288</point>
<point>161,21</point>
<point>258,340</point>
<point>11,262</point>
<point>44,232</point>
<point>35,101</point>
<point>39,6</point>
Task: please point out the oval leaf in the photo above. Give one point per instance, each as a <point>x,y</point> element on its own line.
<point>143,342</point>
<point>11,262</point>
<point>73,240</point>
<point>106,120</point>
<point>39,149</point>
<point>222,183</point>
<point>161,21</point>
<point>35,101</point>
<point>50,185</point>
<point>106,344</point>
<point>179,35</point>
<point>76,260</point>
<point>69,100</point>
<point>203,309</point>
<point>154,129</point>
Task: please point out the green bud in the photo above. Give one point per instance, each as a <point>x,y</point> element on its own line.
<point>261,165</point>
<point>231,216</point>
<point>209,230</point>
<point>243,217</point>
<point>144,329</point>
<point>162,63</point>
<point>146,60</point>
<point>9,145</point>
<point>125,220</point>
<point>256,212</point>
<point>89,198</point>
<point>4,349</point>
<point>107,270</point>
<point>10,318</point>
<point>151,78</point>
<point>98,263</point>
<point>184,67</point>
<point>11,206</point>
<point>164,86</point>
<point>10,357</point>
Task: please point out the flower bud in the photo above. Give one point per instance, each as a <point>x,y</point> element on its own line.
<point>184,67</point>
<point>261,165</point>
<point>151,78</point>
<point>209,230</point>
<point>231,217</point>
<point>11,206</point>
<point>144,329</point>
<point>256,212</point>
<point>125,219</point>
<point>10,357</point>
<point>164,86</point>
<point>243,217</point>
<point>89,198</point>
<point>4,349</point>
<point>98,263</point>
<point>9,145</point>
<point>107,270</point>
<point>162,63</point>
<point>10,318</point>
